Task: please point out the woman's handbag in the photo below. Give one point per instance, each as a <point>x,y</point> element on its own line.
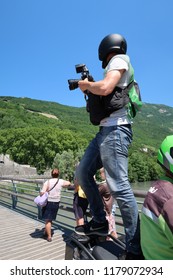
<point>41,200</point>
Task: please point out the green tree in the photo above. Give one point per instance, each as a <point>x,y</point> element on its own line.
<point>38,146</point>
<point>138,170</point>
<point>155,170</point>
<point>65,162</point>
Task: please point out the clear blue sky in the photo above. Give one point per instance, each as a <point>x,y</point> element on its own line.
<point>42,40</point>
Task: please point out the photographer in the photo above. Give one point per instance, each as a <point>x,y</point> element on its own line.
<point>110,146</point>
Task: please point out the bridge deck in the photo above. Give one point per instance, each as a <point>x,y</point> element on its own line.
<point>21,238</point>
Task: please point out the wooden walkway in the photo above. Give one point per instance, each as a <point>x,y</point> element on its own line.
<point>21,239</point>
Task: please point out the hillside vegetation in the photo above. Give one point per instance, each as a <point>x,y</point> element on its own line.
<point>36,132</point>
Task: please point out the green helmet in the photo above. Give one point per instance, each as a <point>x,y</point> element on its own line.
<point>165,154</point>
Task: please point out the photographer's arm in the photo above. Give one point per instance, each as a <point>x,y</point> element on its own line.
<point>103,87</point>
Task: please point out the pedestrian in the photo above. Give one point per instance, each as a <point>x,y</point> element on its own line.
<point>80,205</point>
<point>108,201</point>
<point>49,212</point>
<point>157,210</point>
<point>80,202</point>
<point>109,148</point>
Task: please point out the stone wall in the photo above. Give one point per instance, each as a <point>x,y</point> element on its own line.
<point>11,168</point>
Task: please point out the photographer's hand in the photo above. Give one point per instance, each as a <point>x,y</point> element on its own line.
<point>103,87</point>
<point>83,85</point>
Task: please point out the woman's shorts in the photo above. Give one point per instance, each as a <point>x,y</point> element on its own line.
<point>50,211</point>
<point>80,206</point>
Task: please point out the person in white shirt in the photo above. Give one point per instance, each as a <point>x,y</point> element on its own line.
<point>49,212</point>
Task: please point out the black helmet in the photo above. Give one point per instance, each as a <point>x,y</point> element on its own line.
<point>111,43</point>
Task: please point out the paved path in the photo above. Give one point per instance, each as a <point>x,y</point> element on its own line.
<point>21,239</point>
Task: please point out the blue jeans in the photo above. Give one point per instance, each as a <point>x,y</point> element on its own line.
<point>109,149</point>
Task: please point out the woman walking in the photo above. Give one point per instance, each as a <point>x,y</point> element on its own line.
<point>49,212</point>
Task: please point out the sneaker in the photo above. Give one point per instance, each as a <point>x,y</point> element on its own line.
<point>93,228</point>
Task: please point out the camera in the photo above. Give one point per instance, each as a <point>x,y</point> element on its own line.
<point>80,68</point>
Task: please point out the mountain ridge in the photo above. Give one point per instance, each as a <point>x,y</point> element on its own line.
<point>150,126</point>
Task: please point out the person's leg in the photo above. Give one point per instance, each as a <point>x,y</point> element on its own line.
<point>80,206</point>
<point>114,155</point>
<point>83,204</point>
<point>112,226</point>
<point>86,170</point>
<point>48,225</point>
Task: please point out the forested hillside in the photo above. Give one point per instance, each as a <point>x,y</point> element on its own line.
<point>38,133</point>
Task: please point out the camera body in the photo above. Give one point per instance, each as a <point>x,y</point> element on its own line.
<point>80,68</point>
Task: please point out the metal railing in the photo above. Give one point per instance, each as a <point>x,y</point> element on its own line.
<point>19,194</point>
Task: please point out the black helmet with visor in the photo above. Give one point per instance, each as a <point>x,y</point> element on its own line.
<point>113,43</point>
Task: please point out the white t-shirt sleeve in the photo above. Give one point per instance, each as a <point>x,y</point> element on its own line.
<point>117,63</point>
